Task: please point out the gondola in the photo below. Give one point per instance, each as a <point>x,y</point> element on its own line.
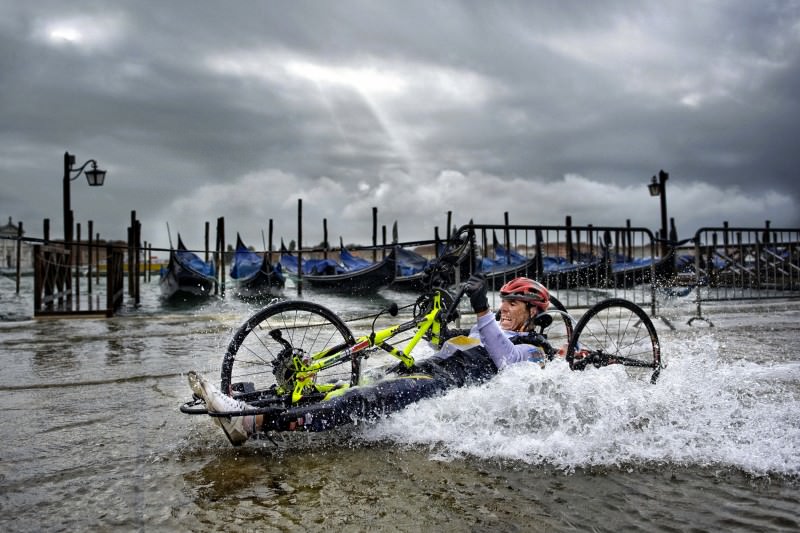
<point>288,262</point>
<point>253,274</point>
<point>553,272</point>
<point>498,274</point>
<point>186,275</point>
<point>363,280</point>
<point>558,272</point>
<point>352,262</point>
<point>628,271</point>
<point>410,271</point>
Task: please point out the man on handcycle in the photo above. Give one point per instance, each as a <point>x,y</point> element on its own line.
<point>498,342</point>
<point>522,299</point>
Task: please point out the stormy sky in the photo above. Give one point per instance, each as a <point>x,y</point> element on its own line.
<point>201,109</point>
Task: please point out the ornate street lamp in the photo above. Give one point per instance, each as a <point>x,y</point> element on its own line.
<point>659,188</point>
<point>94,176</point>
<point>655,188</point>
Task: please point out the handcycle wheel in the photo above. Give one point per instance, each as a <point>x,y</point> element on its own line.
<point>560,331</point>
<point>260,353</point>
<point>616,331</point>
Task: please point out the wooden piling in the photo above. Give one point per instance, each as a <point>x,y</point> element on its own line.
<point>206,240</point>
<point>269,243</point>
<point>219,261</point>
<point>374,234</point>
<point>570,250</point>
<point>299,246</point>
<point>19,252</point>
<point>628,240</point>
<point>325,238</point>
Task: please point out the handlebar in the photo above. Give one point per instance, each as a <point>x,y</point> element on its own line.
<point>440,272</point>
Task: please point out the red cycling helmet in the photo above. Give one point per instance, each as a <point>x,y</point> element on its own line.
<point>527,290</point>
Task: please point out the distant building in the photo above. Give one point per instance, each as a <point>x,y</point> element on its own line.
<point>8,249</point>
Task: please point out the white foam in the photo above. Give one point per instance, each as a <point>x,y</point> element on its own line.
<point>705,410</point>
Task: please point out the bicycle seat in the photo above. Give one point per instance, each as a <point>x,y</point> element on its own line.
<point>543,320</point>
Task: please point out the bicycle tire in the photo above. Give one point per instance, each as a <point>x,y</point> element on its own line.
<point>616,331</point>
<point>254,360</point>
<point>557,336</point>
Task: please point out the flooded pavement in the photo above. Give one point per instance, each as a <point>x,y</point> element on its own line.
<point>94,439</point>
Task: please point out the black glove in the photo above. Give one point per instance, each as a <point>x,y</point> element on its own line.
<point>476,290</point>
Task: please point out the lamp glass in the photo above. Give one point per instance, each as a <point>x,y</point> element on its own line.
<point>655,188</point>
<point>95,177</point>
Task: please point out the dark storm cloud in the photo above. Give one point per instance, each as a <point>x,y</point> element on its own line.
<point>201,109</point>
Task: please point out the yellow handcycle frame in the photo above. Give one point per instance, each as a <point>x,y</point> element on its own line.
<point>307,368</point>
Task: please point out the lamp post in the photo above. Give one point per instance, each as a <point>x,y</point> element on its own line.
<point>659,188</point>
<point>94,176</point>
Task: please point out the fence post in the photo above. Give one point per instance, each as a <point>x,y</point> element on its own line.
<point>77,266</point>
<point>506,238</point>
<point>38,278</point>
<point>90,251</point>
<point>137,261</point>
<point>539,258</point>
<point>97,260</point>
<point>19,252</point>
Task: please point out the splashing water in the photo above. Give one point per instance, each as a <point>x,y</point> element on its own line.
<point>707,409</point>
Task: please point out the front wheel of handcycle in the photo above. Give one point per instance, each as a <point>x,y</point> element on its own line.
<point>616,331</point>
<point>263,352</point>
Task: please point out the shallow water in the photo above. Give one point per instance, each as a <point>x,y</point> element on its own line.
<point>94,439</point>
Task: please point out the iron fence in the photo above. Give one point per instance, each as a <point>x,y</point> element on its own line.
<point>729,263</point>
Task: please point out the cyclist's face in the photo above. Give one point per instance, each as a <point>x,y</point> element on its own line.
<point>513,314</point>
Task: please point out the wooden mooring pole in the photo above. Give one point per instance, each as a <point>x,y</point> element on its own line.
<point>19,252</point>
<point>374,234</point>
<point>221,253</point>
<point>325,245</point>
<point>269,242</point>
<point>299,246</point>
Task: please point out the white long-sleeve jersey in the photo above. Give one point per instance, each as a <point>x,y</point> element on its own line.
<point>498,343</point>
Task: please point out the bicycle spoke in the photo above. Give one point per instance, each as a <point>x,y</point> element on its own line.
<point>264,350</point>
<point>616,332</point>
